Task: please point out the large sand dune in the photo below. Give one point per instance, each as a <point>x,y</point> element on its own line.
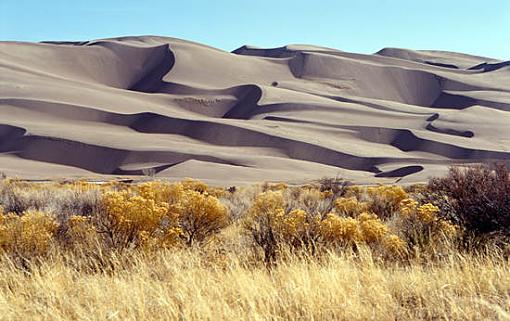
<point>125,105</point>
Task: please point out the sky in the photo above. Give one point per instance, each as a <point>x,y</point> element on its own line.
<point>468,26</point>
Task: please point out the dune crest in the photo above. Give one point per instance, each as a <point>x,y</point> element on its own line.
<point>133,105</point>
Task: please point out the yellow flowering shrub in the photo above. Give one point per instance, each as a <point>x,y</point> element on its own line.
<point>163,238</point>
<point>298,228</point>
<point>79,225</point>
<point>341,229</point>
<point>372,228</point>
<point>408,207</point>
<point>293,223</point>
<point>200,215</point>
<point>271,225</point>
<point>161,192</point>
<point>365,228</point>
<point>157,213</point>
<point>28,234</point>
<point>426,216</point>
<point>172,192</point>
<point>394,244</point>
<point>428,213</point>
<point>268,216</point>
<point>81,230</point>
<point>384,200</point>
<point>267,204</point>
<point>267,209</point>
<point>262,221</point>
<point>392,194</point>
<point>127,215</point>
<point>190,184</point>
<point>350,206</point>
<point>423,228</point>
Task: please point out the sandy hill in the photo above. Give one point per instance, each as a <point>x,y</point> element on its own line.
<point>132,105</point>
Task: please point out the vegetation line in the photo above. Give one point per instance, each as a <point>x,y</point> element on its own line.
<point>322,251</point>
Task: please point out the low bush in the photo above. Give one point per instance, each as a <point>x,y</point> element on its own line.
<point>161,214</point>
<point>390,221</point>
<point>27,235</point>
<point>423,229</point>
<point>273,224</point>
<point>127,218</point>
<point>200,216</point>
<point>385,199</point>
<point>477,197</point>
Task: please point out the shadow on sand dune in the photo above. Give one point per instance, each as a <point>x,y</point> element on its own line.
<point>121,106</point>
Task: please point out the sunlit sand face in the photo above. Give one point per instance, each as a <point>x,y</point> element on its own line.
<point>134,105</point>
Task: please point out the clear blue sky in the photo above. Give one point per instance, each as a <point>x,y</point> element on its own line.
<point>476,27</point>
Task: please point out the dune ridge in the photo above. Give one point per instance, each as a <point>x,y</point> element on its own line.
<point>133,105</point>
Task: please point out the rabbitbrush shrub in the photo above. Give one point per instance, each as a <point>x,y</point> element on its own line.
<point>161,214</point>
<point>271,223</point>
<point>26,235</point>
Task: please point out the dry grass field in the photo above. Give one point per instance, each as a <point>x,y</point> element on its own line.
<point>322,251</point>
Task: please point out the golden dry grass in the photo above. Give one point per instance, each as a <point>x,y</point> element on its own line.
<point>188,285</point>
<point>318,269</point>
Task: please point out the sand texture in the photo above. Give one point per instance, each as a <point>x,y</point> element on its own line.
<point>139,105</point>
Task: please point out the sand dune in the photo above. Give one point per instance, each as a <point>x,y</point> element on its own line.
<point>133,105</point>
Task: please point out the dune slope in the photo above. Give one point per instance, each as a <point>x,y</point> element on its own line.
<point>138,105</point>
